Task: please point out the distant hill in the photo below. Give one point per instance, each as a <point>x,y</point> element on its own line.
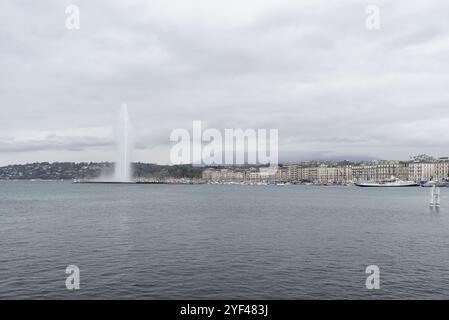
<point>91,170</point>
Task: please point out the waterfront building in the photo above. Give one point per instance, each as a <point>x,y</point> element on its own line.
<point>403,171</point>
<point>313,174</point>
<point>322,174</point>
<point>281,175</point>
<point>385,170</point>
<point>254,177</point>
<point>381,171</point>
<point>364,172</point>
<point>431,169</point>
<point>332,175</point>
<point>303,173</point>
<point>326,174</point>
<point>442,169</point>
<point>344,173</point>
<point>421,171</point>
<point>223,175</point>
<point>292,173</point>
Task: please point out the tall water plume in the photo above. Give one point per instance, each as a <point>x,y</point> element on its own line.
<point>125,146</point>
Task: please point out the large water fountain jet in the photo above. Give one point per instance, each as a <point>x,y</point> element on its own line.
<point>125,146</point>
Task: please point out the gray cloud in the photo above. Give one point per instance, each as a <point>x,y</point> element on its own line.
<point>313,70</point>
<point>53,142</point>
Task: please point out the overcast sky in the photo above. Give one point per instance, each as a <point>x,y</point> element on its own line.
<point>311,69</point>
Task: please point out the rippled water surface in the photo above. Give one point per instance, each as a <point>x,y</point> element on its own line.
<point>220,241</point>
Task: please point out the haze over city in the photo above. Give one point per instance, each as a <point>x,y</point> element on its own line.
<point>332,87</point>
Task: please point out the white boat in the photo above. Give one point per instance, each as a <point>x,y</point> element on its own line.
<point>387,184</point>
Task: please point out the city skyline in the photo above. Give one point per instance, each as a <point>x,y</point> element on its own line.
<point>419,168</point>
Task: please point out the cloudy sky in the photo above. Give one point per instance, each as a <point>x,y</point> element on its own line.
<point>311,69</point>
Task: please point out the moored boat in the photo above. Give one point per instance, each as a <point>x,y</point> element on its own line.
<point>387,184</point>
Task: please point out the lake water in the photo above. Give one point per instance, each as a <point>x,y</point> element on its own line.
<point>221,241</point>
